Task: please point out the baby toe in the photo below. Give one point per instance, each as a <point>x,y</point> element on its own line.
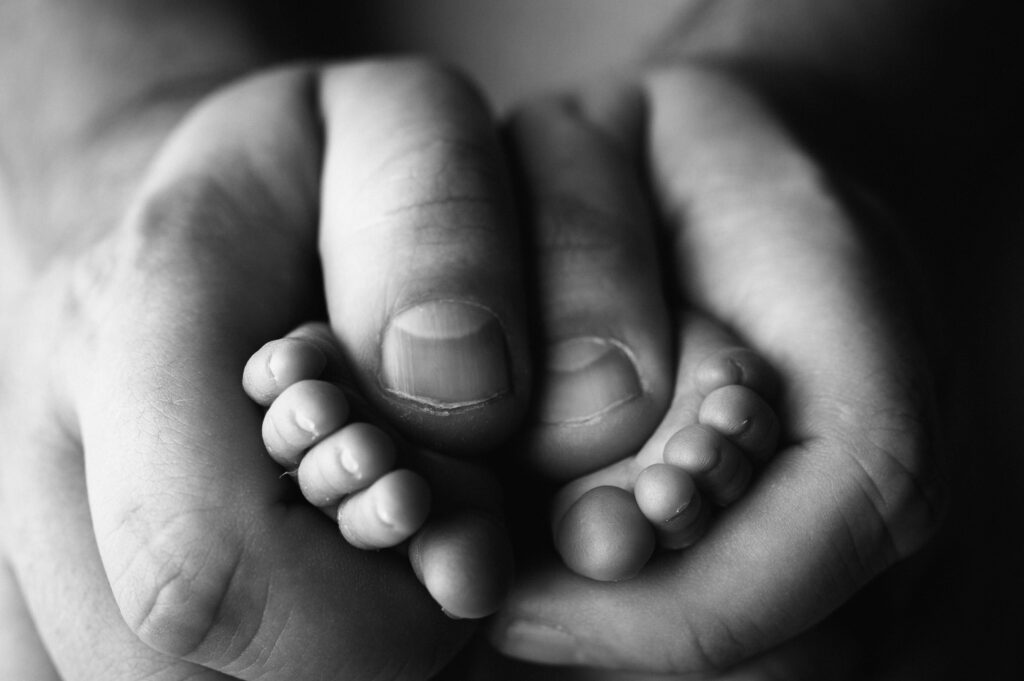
<point>605,536</point>
<point>344,462</point>
<point>280,364</point>
<point>464,559</point>
<point>668,497</point>
<point>303,415</point>
<point>736,366</point>
<point>720,468</point>
<point>741,415</point>
<point>387,512</point>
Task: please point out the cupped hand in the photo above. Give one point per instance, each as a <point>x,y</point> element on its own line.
<point>755,237</point>
<point>147,528</point>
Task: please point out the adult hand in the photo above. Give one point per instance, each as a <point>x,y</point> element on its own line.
<point>759,240</point>
<point>147,529</point>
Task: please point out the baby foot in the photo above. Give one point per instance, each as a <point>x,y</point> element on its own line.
<point>720,426</point>
<point>351,470</point>
<point>605,338</point>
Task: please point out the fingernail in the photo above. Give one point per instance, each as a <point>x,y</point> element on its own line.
<point>587,376</point>
<point>277,366</point>
<point>445,354</point>
<point>540,642</point>
<point>292,360</point>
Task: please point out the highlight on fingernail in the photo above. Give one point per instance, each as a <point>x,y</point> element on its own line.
<point>446,354</point>
<point>539,642</point>
<point>586,377</point>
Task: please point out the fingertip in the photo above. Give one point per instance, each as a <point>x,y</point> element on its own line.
<point>445,355</point>
<point>453,375</point>
<point>598,401</point>
<point>586,378</point>
<point>420,255</point>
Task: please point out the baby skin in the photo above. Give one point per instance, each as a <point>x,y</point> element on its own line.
<point>607,524</point>
<point>703,456</point>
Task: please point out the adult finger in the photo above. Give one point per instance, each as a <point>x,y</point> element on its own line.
<point>420,254</point>
<point>826,652</point>
<point>762,246</point>
<point>208,558</point>
<point>603,318</point>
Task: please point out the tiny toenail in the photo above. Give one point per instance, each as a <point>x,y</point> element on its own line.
<point>276,366</point>
<point>737,372</point>
<point>693,503</point>
<point>445,354</point>
<point>350,463</point>
<point>587,377</point>
<point>384,515</point>
<point>306,424</point>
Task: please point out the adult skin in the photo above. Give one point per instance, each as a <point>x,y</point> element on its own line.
<point>923,117</point>
<point>149,253</point>
<point>569,597</point>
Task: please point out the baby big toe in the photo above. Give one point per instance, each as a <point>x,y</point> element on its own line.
<point>605,536</point>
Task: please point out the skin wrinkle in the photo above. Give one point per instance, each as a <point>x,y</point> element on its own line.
<point>712,647</point>
<point>458,156</point>
<point>182,572</point>
<point>883,505</point>
<point>453,160</point>
<point>238,641</point>
<point>879,495</point>
<point>873,561</point>
<point>432,216</point>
